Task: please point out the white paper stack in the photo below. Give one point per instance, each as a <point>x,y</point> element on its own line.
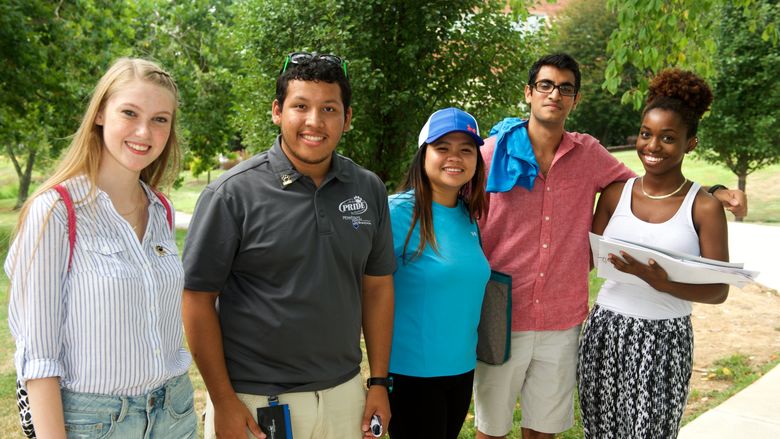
<point>680,267</point>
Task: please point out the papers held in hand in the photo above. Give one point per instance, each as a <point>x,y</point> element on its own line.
<point>680,267</point>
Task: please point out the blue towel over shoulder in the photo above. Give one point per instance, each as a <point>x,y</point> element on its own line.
<point>513,162</point>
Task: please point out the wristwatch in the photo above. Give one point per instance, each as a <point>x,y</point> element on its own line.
<point>381,381</point>
<point>714,188</point>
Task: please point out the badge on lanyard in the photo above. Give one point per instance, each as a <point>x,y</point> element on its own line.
<point>274,420</point>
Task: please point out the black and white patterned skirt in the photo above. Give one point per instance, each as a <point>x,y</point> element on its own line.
<point>633,375</point>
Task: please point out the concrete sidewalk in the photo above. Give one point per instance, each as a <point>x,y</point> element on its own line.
<point>183,220</point>
<point>756,245</point>
<point>755,411</point>
<point>752,413</point>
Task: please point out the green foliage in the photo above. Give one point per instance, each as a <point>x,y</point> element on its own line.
<point>183,37</point>
<point>742,129</point>
<point>199,165</point>
<point>52,55</point>
<point>652,35</point>
<point>582,30</point>
<point>56,51</point>
<point>406,59</point>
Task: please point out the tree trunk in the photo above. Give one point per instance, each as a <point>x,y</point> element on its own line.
<point>741,184</point>
<point>25,175</point>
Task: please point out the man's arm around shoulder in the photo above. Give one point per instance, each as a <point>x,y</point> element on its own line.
<point>204,336</point>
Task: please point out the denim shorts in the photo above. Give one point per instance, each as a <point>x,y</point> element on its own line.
<point>166,412</point>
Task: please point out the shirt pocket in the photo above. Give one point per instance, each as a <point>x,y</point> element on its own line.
<point>107,257</point>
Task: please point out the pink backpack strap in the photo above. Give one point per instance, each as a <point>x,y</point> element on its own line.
<point>167,205</point>
<point>65,195</point>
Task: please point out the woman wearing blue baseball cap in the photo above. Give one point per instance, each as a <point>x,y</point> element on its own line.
<point>440,279</point>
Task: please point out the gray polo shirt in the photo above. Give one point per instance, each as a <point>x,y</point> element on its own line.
<point>288,259</point>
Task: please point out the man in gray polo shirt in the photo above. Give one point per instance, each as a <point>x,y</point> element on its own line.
<point>288,255</point>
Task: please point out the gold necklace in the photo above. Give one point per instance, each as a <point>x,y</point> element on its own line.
<point>135,208</point>
<point>660,197</point>
<point>140,202</point>
<point>130,212</point>
<point>132,219</point>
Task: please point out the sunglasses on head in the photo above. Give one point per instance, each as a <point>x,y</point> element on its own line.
<point>305,57</point>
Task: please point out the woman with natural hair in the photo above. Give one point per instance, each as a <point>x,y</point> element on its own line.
<point>95,276</point>
<point>636,351</point>
<point>440,279</point>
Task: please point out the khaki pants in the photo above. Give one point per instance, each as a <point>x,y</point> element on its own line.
<point>334,413</point>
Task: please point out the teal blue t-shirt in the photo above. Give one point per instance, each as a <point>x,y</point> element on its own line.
<point>438,297</point>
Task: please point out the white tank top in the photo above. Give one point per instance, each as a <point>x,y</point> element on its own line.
<point>677,233</point>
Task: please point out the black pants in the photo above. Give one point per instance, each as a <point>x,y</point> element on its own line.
<point>430,408</point>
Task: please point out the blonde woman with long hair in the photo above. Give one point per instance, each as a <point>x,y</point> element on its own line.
<point>95,276</point>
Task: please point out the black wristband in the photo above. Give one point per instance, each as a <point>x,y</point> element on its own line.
<point>381,381</point>
<point>714,188</point>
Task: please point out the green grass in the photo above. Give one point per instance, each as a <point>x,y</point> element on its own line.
<point>735,368</point>
<point>185,196</point>
<point>762,186</point>
<point>8,413</point>
<point>469,432</point>
<point>738,372</point>
<point>8,216</point>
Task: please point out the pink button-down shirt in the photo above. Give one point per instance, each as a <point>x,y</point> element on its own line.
<point>540,237</point>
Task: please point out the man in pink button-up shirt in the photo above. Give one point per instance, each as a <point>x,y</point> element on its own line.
<point>540,238</point>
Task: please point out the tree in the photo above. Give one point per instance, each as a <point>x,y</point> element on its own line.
<point>741,131</point>
<point>582,30</point>
<point>652,35</point>
<point>53,53</point>
<point>183,36</point>
<point>406,58</point>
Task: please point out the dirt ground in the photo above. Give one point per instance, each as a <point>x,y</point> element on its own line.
<point>747,323</point>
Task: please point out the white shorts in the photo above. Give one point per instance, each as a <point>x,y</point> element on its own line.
<point>333,413</point>
<point>542,372</point>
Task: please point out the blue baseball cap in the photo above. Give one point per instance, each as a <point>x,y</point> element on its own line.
<point>449,120</point>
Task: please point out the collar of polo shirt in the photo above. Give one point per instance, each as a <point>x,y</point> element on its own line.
<point>287,174</point>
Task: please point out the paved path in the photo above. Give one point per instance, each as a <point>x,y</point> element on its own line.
<point>757,246</point>
<point>755,411</point>
<point>183,220</point>
<point>752,413</point>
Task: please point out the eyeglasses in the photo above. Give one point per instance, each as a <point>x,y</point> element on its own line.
<point>306,57</point>
<point>549,87</point>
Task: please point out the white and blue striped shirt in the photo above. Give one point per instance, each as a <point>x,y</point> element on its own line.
<point>112,324</point>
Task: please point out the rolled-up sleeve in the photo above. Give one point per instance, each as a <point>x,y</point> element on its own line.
<point>37,267</point>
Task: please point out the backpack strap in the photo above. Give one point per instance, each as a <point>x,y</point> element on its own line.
<point>65,195</point>
<point>167,205</point>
